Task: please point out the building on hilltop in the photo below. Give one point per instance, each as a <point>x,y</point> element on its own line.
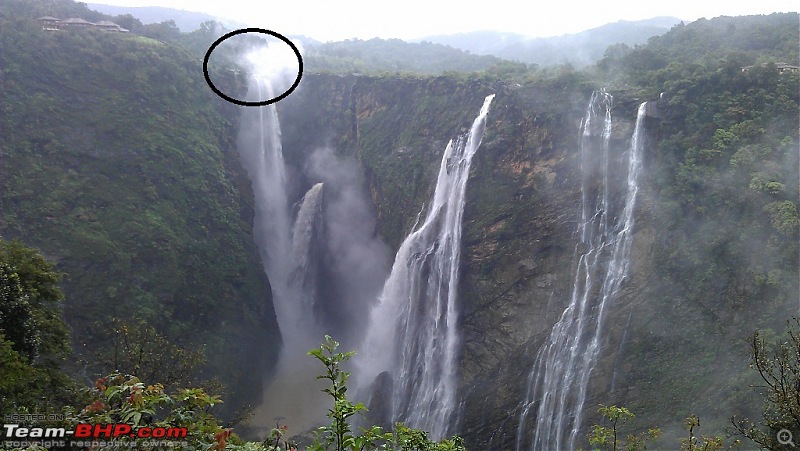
<point>52,23</point>
<point>74,22</point>
<point>110,26</point>
<point>49,23</point>
<point>781,67</point>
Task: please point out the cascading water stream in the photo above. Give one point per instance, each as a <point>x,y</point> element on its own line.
<point>560,374</point>
<point>412,333</point>
<point>284,251</point>
<point>262,156</point>
<point>306,242</point>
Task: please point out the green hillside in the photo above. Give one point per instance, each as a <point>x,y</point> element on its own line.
<point>120,165</point>
<point>393,55</point>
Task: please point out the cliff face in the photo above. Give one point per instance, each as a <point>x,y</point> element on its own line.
<point>520,244</point>
<point>522,209</point>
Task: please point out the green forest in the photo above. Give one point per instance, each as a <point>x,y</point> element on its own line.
<point>131,289</point>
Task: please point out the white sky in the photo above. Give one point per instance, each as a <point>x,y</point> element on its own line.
<point>409,19</point>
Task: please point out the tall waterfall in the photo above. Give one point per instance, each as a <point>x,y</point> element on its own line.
<point>560,374</point>
<point>262,156</point>
<point>413,333</point>
<point>284,249</point>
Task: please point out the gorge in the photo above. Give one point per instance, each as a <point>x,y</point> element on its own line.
<point>616,253</point>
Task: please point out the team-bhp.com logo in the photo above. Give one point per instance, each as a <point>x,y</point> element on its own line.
<point>89,432</point>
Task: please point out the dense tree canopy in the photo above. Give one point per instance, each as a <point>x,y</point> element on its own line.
<point>34,339</point>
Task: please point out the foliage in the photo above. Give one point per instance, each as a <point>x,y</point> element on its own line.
<point>732,141</point>
<point>32,9</point>
<point>162,31</point>
<point>408,439</point>
<point>137,348</point>
<point>392,55</point>
<point>29,298</point>
<point>188,413</point>
<point>126,399</point>
<point>277,438</point>
<point>16,316</point>
<point>608,437</point>
<point>778,365</point>
<point>702,443</point>
<point>701,45</point>
<point>722,169</point>
<point>117,161</point>
<point>120,163</point>
<point>339,435</point>
<point>34,340</point>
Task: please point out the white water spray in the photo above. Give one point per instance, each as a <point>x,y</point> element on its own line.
<point>559,378</point>
<point>413,332</point>
<point>262,156</point>
<point>306,242</point>
<point>284,250</point>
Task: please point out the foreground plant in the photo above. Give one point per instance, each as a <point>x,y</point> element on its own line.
<point>778,365</point>
<point>608,437</point>
<point>339,435</point>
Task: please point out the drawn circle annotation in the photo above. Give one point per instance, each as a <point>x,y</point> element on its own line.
<point>254,103</point>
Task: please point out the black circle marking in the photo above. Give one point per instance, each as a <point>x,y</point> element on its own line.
<point>253,30</point>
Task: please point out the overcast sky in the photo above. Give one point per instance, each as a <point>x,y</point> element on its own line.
<point>410,19</point>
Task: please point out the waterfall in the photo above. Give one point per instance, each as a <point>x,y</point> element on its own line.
<point>261,154</point>
<point>306,240</point>
<point>284,249</point>
<point>559,377</point>
<point>262,157</point>
<point>412,333</point>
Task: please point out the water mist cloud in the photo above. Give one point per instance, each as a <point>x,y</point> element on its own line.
<point>357,260</point>
<point>273,59</point>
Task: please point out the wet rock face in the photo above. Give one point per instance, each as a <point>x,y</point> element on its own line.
<point>380,404</point>
<point>519,268</point>
<point>518,248</point>
<point>520,221</point>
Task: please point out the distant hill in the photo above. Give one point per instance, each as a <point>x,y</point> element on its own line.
<point>580,49</point>
<point>185,20</point>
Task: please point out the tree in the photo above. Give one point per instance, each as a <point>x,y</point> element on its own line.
<point>778,365</point>
<point>166,31</point>
<point>129,22</point>
<point>29,306</point>
<point>339,434</point>
<point>34,340</point>
<point>608,437</point>
<point>702,443</point>
<point>16,315</point>
<point>136,348</point>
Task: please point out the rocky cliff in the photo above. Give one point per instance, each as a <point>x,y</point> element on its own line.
<point>519,248</point>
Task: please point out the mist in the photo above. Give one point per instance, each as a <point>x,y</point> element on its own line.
<point>356,260</point>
